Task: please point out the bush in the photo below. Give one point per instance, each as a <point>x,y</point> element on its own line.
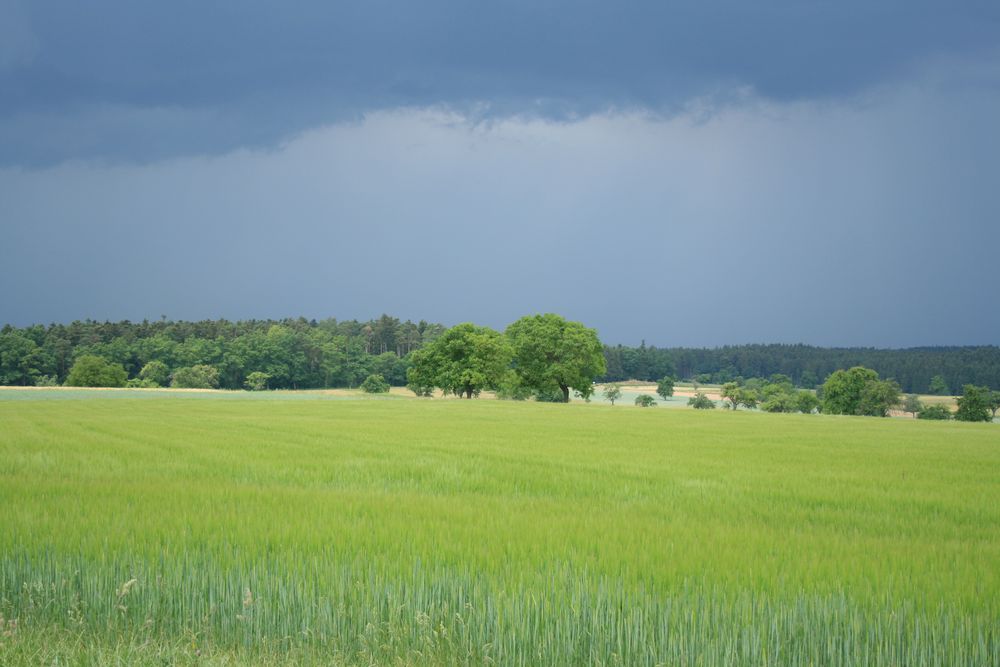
<point>46,381</point>
<point>806,402</point>
<point>139,383</point>
<point>375,384</point>
<point>257,381</point>
<point>200,376</point>
<point>934,412</point>
<point>156,372</point>
<point>644,401</point>
<point>93,371</point>
<point>974,404</point>
<point>701,402</point>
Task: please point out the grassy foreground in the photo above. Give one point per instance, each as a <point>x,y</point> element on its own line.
<point>180,530</point>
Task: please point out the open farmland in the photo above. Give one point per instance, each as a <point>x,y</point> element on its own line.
<point>180,528</point>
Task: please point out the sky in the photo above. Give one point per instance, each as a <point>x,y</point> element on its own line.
<point>684,173</point>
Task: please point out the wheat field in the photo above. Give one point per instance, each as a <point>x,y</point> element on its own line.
<point>180,529</point>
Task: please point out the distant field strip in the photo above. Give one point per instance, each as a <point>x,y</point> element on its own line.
<point>176,529</point>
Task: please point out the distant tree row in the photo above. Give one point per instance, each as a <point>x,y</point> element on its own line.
<point>254,354</point>
<point>855,391</point>
<point>927,370</point>
<point>976,404</point>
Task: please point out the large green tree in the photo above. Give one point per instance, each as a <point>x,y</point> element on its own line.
<point>859,391</point>
<point>20,359</point>
<point>974,405</point>
<point>552,353</point>
<point>93,371</point>
<point>463,361</point>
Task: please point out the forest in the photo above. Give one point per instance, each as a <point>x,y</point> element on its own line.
<point>913,368</point>
<point>300,353</point>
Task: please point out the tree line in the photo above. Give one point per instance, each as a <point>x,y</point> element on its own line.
<point>923,370</point>
<point>275,354</point>
<point>300,353</point>
<point>856,391</point>
<point>541,356</point>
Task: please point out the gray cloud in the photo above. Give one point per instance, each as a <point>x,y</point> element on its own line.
<point>18,44</point>
<point>142,81</point>
<point>868,222</point>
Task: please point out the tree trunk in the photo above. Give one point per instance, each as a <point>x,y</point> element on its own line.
<point>565,391</point>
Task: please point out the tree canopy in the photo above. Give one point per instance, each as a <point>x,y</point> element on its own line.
<point>551,353</point>
<point>463,361</point>
<point>665,387</point>
<point>918,370</point>
<point>93,371</point>
<point>199,376</point>
<point>375,384</point>
<point>859,391</point>
<point>975,404</point>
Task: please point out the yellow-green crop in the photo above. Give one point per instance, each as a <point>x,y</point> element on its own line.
<point>175,529</point>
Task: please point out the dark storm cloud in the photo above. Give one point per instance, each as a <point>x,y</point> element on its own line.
<point>684,172</point>
<point>828,224</point>
<point>140,81</point>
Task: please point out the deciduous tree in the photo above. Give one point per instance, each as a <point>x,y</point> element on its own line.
<point>859,391</point>
<point>257,381</point>
<point>551,353</point>
<point>199,376</point>
<point>974,404</point>
<point>463,361</point>
<point>155,372</point>
<point>806,402</point>
<point>93,371</point>
<point>665,387</point>
<point>911,404</point>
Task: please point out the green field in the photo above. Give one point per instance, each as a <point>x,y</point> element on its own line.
<point>173,528</point>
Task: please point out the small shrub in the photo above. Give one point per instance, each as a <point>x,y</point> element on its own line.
<point>156,372</point>
<point>375,384</point>
<point>140,383</point>
<point>200,376</point>
<point>701,402</point>
<point>46,381</point>
<point>257,381</point>
<point>645,401</point>
<point>934,412</point>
